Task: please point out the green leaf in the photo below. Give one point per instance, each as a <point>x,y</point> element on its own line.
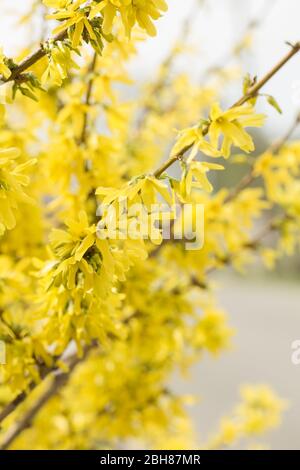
<point>28,93</point>
<point>271,100</point>
<point>246,83</point>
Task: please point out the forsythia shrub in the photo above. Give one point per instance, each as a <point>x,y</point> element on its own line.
<point>94,323</point>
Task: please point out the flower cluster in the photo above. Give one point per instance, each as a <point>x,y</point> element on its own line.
<point>105,311</point>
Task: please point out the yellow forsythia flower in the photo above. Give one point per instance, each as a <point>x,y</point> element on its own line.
<point>261,409</point>
<point>76,17</point>
<point>60,61</point>
<point>56,3</point>
<point>193,137</point>
<point>230,124</point>
<point>12,180</point>
<point>197,171</point>
<point>4,70</point>
<point>142,11</point>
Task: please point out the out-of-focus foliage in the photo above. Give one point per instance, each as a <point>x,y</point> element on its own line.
<point>147,308</point>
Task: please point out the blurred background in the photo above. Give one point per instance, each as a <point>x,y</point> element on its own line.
<point>263,307</point>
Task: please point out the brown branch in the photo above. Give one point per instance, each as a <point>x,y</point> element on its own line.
<point>32,59</point>
<point>12,406</point>
<point>277,146</point>
<point>92,67</point>
<point>59,380</point>
<point>251,93</point>
<point>44,372</point>
<point>272,225</point>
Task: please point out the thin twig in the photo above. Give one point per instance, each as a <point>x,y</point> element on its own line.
<point>44,372</point>
<point>32,59</point>
<point>92,67</point>
<point>277,146</point>
<point>251,93</point>
<point>59,380</point>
